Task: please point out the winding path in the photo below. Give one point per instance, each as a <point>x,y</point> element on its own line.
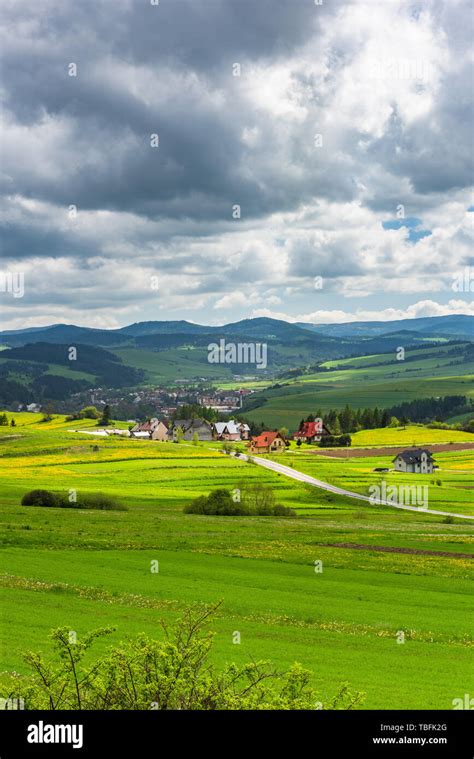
<point>295,475</point>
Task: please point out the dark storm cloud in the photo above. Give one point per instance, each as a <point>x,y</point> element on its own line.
<point>21,241</point>
<point>199,169</point>
<point>438,156</point>
<point>224,140</point>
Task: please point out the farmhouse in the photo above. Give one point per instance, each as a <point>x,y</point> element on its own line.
<point>147,426</point>
<point>153,429</point>
<point>244,430</point>
<point>267,442</point>
<point>417,461</point>
<point>190,427</point>
<point>311,432</point>
<point>160,432</point>
<point>231,430</point>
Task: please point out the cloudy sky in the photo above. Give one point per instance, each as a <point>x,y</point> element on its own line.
<point>213,160</point>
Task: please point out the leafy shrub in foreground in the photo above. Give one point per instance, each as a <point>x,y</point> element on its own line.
<point>173,673</point>
<point>99,501</point>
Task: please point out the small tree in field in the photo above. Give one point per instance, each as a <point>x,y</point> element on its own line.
<point>105,419</point>
<point>179,434</point>
<point>89,412</point>
<point>196,439</point>
<point>47,414</point>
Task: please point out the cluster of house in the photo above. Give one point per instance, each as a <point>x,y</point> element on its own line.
<point>165,401</point>
<point>191,429</point>
<point>201,429</point>
<point>273,442</point>
<point>415,460</point>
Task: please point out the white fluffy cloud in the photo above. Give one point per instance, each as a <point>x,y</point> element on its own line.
<point>417,310</point>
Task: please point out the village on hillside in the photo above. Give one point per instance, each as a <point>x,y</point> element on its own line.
<point>198,429</point>
<point>314,432</point>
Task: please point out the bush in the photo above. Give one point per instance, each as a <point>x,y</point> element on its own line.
<point>335,441</point>
<point>253,503</point>
<point>283,511</point>
<point>99,501</point>
<point>40,498</point>
<point>170,674</point>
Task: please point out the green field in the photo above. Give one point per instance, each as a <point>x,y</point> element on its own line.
<point>448,489</point>
<point>363,381</point>
<point>410,435</point>
<point>166,366</point>
<point>87,569</point>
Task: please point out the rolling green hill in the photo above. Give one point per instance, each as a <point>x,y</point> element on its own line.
<point>368,381</point>
<point>316,368</point>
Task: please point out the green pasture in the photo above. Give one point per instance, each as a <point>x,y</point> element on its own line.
<point>285,406</point>
<point>86,569</point>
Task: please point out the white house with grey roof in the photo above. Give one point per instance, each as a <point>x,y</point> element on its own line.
<point>416,461</point>
<point>231,430</point>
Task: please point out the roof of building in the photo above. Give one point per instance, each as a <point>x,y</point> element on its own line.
<point>413,456</point>
<point>148,426</point>
<point>187,424</point>
<point>220,427</point>
<point>265,439</point>
<point>310,429</point>
<point>233,428</point>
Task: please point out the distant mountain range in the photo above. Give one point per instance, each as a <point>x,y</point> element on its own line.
<point>35,362</point>
<point>455,325</point>
<point>452,326</point>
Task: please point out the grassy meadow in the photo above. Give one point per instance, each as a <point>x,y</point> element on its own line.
<point>87,569</point>
<point>364,381</point>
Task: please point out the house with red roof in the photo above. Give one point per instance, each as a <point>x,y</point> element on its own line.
<point>311,432</point>
<point>267,442</point>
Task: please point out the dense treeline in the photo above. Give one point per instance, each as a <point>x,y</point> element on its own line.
<point>433,409</point>
<point>54,387</point>
<point>426,410</point>
<point>12,391</point>
<point>107,368</point>
<point>24,377</point>
<point>352,420</point>
<point>422,410</point>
